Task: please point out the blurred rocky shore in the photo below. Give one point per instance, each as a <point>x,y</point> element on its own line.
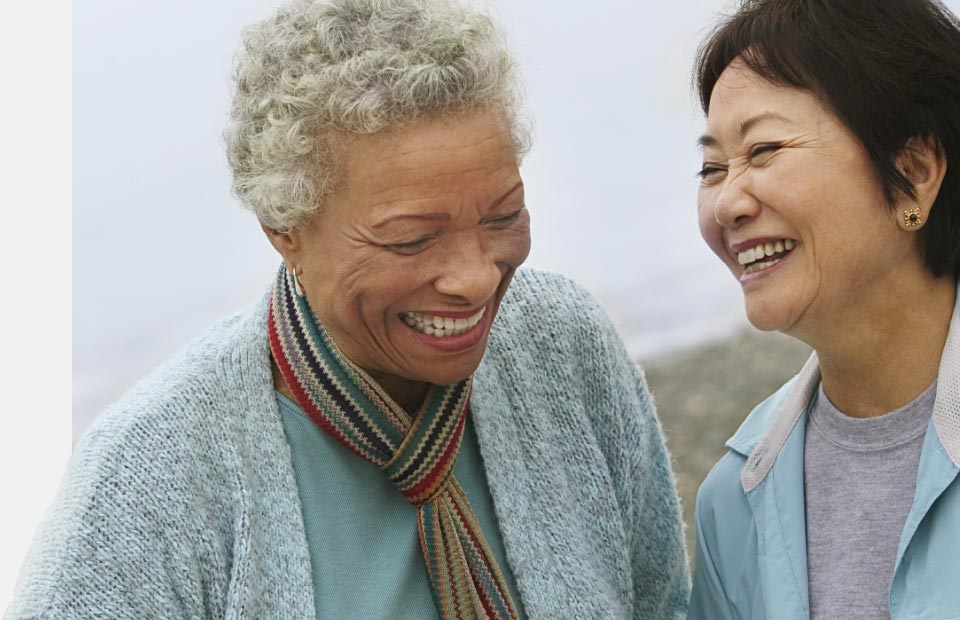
<point>704,393</point>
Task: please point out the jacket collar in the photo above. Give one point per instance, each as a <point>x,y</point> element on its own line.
<point>946,407</point>
<point>758,422</point>
<point>785,407</point>
<point>764,432</point>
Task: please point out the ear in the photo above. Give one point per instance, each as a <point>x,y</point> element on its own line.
<point>287,243</point>
<point>923,163</point>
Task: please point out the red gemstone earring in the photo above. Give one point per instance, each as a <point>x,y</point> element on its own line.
<point>911,217</point>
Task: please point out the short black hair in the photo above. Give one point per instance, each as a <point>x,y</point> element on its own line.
<point>888,69</point>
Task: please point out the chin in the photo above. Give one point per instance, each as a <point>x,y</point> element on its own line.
<point>443,367</point>
<point>767,317</point>
<point>451,373</point>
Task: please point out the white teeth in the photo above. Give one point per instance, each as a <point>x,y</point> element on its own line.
<point>763,250</point>
<point>441,326</point>
<point>760,265</point>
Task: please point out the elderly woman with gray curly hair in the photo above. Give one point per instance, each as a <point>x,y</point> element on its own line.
<point>367,441</point>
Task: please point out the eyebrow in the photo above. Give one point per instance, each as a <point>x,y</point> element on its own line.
<point>745,127</point>
<point>499,201</point>
<point>751,122</point>
<point>442,216</point>
<point>428,217</point>
<point>706,140</point>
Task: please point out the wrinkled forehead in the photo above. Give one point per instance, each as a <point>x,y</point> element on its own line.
<point>465,159</point>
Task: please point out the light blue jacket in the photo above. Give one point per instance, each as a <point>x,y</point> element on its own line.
<point>751,551</point>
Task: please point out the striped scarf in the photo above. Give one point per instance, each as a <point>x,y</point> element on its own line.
<point>416,455</point>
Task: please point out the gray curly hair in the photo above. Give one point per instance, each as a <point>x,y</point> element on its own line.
<point>319,69</point>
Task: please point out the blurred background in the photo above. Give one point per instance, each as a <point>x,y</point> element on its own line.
<point>161,249</point>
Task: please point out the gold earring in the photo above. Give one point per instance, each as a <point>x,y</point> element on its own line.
<point>911,217</point>
<point>296,281</point>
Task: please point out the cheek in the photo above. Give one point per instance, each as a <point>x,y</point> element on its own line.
<point>521,249</point>
<point>364,286</point>
<point>512,246</point>
<point>710,230</point>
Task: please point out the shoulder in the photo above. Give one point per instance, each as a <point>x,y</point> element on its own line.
<point>759,421</point>
<point>197,378</point>
<point>155,472</point>
<point>721,495</point>
<point>175,422</point>
<point>551,293</point>
<point>545,313</point>
<point>554,351</point>
<point>551,328</point>
<point>721,487</point>
<point>724,526</point>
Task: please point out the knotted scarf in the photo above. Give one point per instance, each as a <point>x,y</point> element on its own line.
<point>416,455</point>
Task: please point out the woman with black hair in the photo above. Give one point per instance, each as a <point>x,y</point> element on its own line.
<point>830,187</point>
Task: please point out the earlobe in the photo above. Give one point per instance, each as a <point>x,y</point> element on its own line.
<point>288,245</point>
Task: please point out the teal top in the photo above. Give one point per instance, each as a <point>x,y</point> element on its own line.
<point>362,532</point>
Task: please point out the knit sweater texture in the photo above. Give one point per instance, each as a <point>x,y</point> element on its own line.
<point>181,501</point>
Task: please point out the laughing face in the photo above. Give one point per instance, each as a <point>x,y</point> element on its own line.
<point>409,260</point>
<point>790,202</point>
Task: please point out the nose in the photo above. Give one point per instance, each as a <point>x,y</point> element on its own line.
<point>735,204</point>
<point>469,274</point>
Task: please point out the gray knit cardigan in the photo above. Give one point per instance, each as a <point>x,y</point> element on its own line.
<point>181,501</point>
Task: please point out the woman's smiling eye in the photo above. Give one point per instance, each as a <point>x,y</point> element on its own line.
<point>505,220</point>
<point>410,247</point>
<point>761,153</point>
<point>709,173</point>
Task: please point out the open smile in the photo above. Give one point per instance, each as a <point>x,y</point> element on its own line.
<point>451,332</point>
<point>760,256</point>
<point>442,326</point>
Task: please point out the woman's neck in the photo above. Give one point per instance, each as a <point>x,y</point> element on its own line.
<point>408,394</point>
<point>884,353</point>
<point>405,392</point>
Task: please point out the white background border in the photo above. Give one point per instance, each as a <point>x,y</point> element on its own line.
<point>35,40</point>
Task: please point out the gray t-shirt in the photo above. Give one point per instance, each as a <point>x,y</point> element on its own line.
<point>859,480</point>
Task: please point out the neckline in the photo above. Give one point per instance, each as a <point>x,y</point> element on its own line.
<point>882,432</point>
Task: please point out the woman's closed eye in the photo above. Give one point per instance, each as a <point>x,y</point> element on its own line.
<point>760,154</point>
<point>411,247</point>
<point>710,173</point>
<point>502,221</point>
<point>420,244</point>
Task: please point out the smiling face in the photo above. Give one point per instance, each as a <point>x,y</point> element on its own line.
<point>409,260</point>
<point>790,202</point>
